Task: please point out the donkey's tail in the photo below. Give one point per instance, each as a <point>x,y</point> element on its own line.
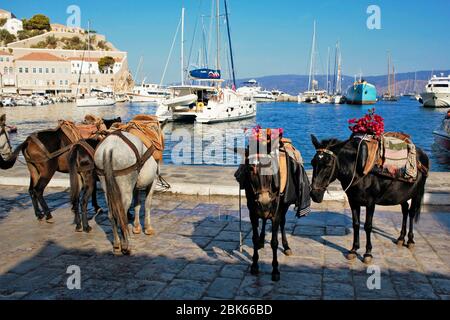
<point>419,200</point>
<point>11,161</point>
<point>113,194</point>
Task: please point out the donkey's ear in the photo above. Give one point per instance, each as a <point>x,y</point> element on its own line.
<point>315,142</point>
<point>3,119</point>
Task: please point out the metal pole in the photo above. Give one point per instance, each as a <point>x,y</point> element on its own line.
<point>240,220</point>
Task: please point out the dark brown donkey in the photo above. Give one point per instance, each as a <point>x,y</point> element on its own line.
<point>47,152</point>
<point>269,199</point>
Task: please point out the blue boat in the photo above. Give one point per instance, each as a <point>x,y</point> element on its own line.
<point>361,93</point>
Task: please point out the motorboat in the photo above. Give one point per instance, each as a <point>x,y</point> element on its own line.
<point>264,96</point>
<point>437,93</point>
<point>146,92</point>
<point>442,135</point>
<point>205,104</point>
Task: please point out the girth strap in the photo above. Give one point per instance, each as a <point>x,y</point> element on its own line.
<point>140,161</point>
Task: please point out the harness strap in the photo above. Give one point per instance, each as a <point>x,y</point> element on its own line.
<point>140,161</point>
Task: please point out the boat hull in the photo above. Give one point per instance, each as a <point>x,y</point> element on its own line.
<point>95,102</point>
<point>435,100</point>
<point>361,94</point>
<point>442,140</point>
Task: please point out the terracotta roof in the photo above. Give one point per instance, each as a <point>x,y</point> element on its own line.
<point>5,53</point>
<point>40,56</point>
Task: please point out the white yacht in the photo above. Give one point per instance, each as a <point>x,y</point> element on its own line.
<point>205,104</point>
<point>148,92</point>
<point>264,96</point>
<point>437,92</point>
<point>249,89</point>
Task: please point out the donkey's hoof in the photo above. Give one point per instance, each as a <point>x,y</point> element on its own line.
<point>49,219</point>
<point>254,271</point>
<point>137,229</point>
<point>411,245</point>
<point>275,277</point>
<point>40,217</point>
<point>88,229</point>
<point>126,252</point>
<point>149,231</point>
<point>367,259</point>
<point>288,252</point>
<point>79,228</point>
<point>351,255</point>
<point>399,242</point>
<point>117,250</point>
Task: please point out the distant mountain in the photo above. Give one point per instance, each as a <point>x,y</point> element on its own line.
<point>294,84</point>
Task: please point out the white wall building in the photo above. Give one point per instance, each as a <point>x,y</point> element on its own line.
<point>13,26</point>
<point>90,65</point>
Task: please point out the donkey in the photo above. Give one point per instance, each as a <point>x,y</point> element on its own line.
<point>126,166</point>
<point>339,160</point>
<point>5,145</point>
<point>46,152</point>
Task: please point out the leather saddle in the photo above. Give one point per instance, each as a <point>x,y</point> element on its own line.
<point>148,130</point>
<point>287,149</point>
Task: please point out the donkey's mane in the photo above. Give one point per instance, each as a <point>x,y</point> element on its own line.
<point>328,143</point>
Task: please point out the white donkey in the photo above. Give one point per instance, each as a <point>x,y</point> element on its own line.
<point>126,166</point>
<point>5,146</point>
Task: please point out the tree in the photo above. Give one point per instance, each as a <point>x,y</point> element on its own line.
<point>106,63</point>
<point>3,21</point>
<point>6,37</point>
<point>37,22</point>
<point>25,34</point>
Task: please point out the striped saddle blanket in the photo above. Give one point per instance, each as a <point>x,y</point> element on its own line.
<point>395,156</point>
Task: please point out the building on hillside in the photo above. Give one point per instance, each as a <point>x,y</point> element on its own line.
<point>13,26</point>
<point>90,65</point>
<point>6,14</point>
<point>58,71</point>
<point>57,27</point>
<point>42,72</point>
<point>7,74</point>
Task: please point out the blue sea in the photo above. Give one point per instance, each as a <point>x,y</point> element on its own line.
<point>299,121</point>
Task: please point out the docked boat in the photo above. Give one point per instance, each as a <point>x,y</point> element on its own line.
<point>442,135</point>
<point>264,96</point>
<point>249,88</point>
<point>390,94</point>
<point>313,94</point>
<point>148,92</point>
<point>95,101</point>
<point>205,104</point>
<point>437,93</point>
<point>361,93</point>
<point>207,101</point>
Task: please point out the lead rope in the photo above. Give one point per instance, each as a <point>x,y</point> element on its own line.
<point>356,163</point>
<point>240,219</point>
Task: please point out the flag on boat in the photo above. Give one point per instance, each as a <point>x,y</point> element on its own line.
<point>205,74</point>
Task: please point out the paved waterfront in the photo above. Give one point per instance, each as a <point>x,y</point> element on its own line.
<point>194,255</point>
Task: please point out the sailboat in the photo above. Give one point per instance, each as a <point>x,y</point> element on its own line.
<point>390,94</point>
<point>337,96</point>
<point>207,101</point>
<point>313,95</point>
<point>98,100</point>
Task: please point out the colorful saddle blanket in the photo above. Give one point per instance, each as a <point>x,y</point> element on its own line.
<point>148,129</point>
<point>394,156</point>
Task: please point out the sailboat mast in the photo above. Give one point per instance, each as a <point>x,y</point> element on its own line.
<point>389,73</point>
<point>218,34</point>
<point>182,46</point>
<point>311,66</point>
<point>231,47</point>
<point>328,72</point>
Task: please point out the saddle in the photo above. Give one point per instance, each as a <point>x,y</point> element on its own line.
<point>393,155</point>
<point>90,126</point>
<point>287,149</point>
<point>148,130</point>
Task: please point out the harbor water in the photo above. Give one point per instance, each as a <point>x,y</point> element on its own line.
<point>299,121</point>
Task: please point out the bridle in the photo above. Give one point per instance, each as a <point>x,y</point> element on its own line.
<point>273,195</point>
<point>335,162</point>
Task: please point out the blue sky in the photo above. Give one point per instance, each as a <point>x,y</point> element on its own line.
<point>270,37</point>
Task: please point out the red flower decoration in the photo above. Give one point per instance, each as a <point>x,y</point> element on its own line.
<point>371,124</point>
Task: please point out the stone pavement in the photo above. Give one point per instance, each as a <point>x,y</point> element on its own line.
<point>195,255</point>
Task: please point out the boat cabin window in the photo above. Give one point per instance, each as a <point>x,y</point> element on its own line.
<point>441,85</point>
